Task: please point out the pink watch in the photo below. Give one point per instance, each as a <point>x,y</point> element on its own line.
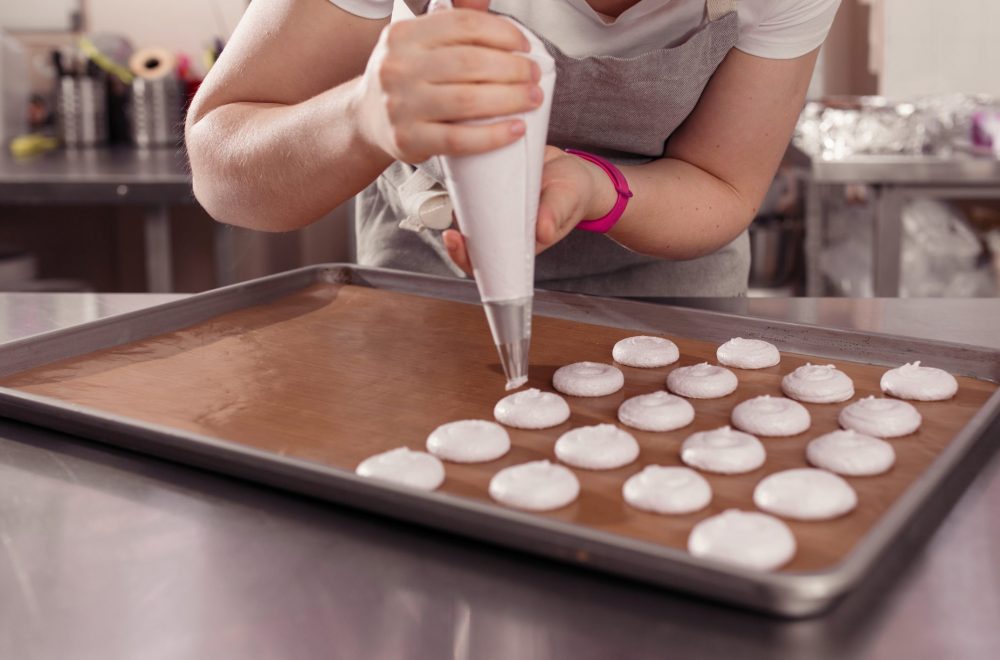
<point>603,225</point>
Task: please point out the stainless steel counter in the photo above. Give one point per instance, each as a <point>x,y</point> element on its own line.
<point>107,554</point>
<point>119,175</point>
<point>958,169</point>
<point>150,178</point>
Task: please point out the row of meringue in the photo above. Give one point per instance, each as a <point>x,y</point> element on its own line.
<point>606,446</point>
<point>647,352</point>
<point>810,383</point>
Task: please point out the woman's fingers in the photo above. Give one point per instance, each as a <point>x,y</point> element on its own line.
<point>476,101</point>
<point>474,64</point>
<point>428,75</point>
<point>459,140</point>
<point>454,242</point>
<point>467,26</point>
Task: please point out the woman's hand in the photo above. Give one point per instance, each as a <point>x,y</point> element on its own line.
<point>573,189</point>
<point>450,66</point>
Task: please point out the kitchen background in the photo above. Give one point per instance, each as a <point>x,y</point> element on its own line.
<point>891,186</point>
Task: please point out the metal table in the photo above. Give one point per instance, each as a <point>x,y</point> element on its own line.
<point>107,554</point>
<point>894,180</point>
<point>151,178</point>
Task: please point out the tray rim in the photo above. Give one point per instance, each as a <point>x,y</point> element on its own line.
<point>792,594</point>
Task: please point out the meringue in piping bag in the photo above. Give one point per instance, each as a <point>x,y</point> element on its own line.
<point>495,197</point>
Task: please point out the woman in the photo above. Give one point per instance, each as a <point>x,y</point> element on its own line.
<point>315,101</point>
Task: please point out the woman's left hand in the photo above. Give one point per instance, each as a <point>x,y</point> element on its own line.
<point>573,189</point>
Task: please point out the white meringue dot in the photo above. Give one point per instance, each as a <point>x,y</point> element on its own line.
<point>881,417</point>
<point>645,352</point>
<point>702,381</point>
<point>851,453</point>
<point>599,447</point>
<point>404,466</point>
<point>771,416</point>
<point>748,354</point>
<point>667,490</point>
<point>919,383</point>
<point>469,441</point>
<point>588,379</point>
<point>746,538</point>
<point>657,411</point>
<point>535,486</point>
<point>818,383</point>
<point>805,494</point>
<point>531,409</point>
<point>724,451</point>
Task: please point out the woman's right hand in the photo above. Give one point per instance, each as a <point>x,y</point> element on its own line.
<point>428,75</point>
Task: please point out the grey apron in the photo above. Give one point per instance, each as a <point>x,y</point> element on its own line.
<point>660,89</point>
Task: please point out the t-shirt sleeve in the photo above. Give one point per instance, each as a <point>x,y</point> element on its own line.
<point>366,8</point>
<point>786,29</point>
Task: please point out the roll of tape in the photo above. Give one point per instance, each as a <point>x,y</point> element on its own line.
<point>152,63</point>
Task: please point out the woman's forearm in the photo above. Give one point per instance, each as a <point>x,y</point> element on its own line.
<point>678,210</point>
<point>279,167</point>
<point>720,162</point>
<point>309,104</point>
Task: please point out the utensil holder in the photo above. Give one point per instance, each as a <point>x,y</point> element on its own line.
<point>156,112</point>
<point>82,111</point>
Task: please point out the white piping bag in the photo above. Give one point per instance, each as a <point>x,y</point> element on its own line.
<point>495,197</point>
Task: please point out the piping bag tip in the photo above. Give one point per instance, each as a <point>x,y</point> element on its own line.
<point>510,324</point>
<point>514,360</point>
<point>514,384</point>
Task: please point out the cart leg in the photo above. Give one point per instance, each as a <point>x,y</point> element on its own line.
<point>224,246</point>
<point>814,238</point>
<point>888,245</point>
<point>159,271</point>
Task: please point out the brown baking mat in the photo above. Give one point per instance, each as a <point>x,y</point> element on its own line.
<point>335,373</point>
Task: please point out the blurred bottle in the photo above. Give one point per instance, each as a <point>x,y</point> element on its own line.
<point>15,88</point>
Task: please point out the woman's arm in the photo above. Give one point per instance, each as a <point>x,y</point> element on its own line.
<point>719,164</point>
<point>309,103</point>
<point>707,187</point>
<point>262,133</point>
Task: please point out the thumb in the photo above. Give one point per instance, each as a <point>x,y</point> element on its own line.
<point>555,213</point>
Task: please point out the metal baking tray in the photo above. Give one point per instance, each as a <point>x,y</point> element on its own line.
<point>793,594</point>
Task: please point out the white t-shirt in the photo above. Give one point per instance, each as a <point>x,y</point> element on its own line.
<point>779,29</point>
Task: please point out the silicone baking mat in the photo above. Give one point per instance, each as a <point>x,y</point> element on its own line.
<point>334,373</point>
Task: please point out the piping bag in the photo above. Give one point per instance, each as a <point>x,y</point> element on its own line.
<point>495,197</point>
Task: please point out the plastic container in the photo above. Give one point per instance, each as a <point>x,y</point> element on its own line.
<point>15,88</point>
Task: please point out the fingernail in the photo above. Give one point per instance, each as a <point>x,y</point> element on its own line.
<point>536,72</point>
<point>535,94</point>
<point>517,127</point>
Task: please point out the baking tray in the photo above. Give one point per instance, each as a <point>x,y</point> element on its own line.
<point>222,347</point>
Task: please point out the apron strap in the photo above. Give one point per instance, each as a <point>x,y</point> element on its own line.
<point>716,9</point>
